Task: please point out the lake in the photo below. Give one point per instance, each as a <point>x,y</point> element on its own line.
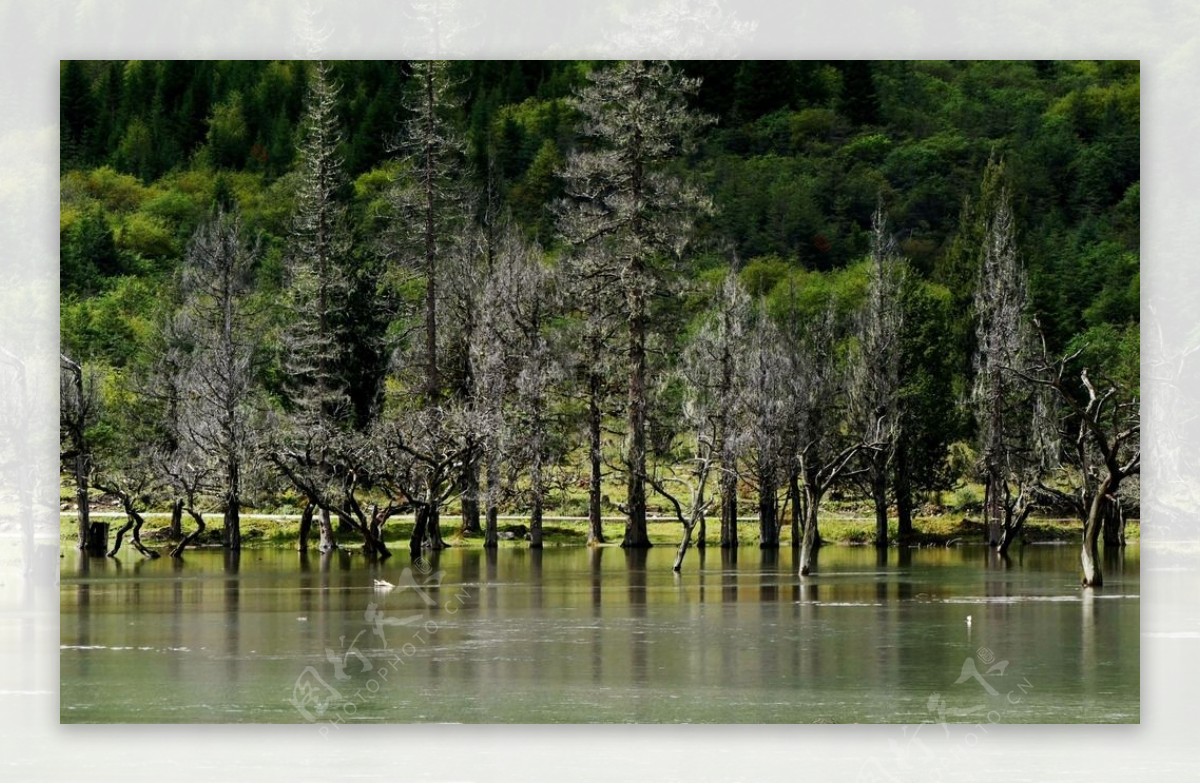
<point>600,635</point>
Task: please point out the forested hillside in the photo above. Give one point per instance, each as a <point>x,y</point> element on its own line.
<point>485,273</point>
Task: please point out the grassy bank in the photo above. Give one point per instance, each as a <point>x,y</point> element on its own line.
<point>283,529</point>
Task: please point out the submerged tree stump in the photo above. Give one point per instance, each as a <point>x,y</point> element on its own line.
<point>97,539</point>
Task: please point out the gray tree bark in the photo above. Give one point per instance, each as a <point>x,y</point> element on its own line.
<point>328,539</point>
<point>595,522</point>
<point>306,518</point>
<point>177,551</point>
<point>880,501</point>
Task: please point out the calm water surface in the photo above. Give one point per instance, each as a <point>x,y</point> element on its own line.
<point>578,635</point>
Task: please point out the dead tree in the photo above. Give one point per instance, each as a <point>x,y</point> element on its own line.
<point>182,465</point>
<point>708,413</point>
<point>1012,415</point>
<point>874,399</point>
<point>493,384</point>
<point>695,483</point>
<point>219,405</point>
<point>825,449</point>
<point>713,366</point>
<point>337,473</point>
<point>428,214</point>
<point>764,374</point>
<point>125,467</point>
<point>465,273</point>
<point>79,409</point>
<point>519,366</point>
<point>416,456</point>
<point>133,501</point>
<point>1100,434</point>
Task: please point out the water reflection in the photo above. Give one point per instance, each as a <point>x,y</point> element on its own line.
<point>595,557</point>
<point>571,634</point>
<point>904,581</point>
<point>769,575</point>
<point>769,642</point>
<point>729,582</point>
<point>233,616</point>
<point>1112,560</point>
<point>639,629</point>
<point>595,632</point>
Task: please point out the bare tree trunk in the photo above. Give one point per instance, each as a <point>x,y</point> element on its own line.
<point>797,507</point>
<point>880,500</point>
<point>306,519</point>
<point>77,428</point>
<point>433,528</point>
<point>595,523</point>
<point>328,540</point>
<point>119,536</point>
<point>636,534</point>
<point>993,508</point>
<point>1012,529</point>
<point>729,507</point>
<point>376,525</point>
<point>491,536</point>
<point>535,517</point>
<point>537,485</point>
<point>768,530</point>
<point>1090,552</point>
<point>233,506</point>
<point>1006,539</point>
<point>420,526</point>
<point>82,504</point>
<point>368,528</point>
<point>175,531</point>
<point>133,524</point>
<point>812,536</point>
<point>1114,523</point>
<point>683,546</point>
<point>470,491</point>
<point>233,524</point>
<point>135,537</point>
<point>702,533</point>
<point>193,536</point>
<point>904,502</point>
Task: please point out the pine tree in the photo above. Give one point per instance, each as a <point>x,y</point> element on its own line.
<point>318,284</point>
<point>632,214</point>
<point>317,262</point>
<point>428,200</point>
<point>428,229</point>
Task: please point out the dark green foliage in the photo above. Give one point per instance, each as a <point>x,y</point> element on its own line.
<point>75,113</point>
<point>932,417</point>
<point>795,163</point>
<point>88,254</point>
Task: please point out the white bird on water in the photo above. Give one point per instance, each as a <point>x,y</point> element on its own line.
<point>968,620</point>
<point>383,584</point>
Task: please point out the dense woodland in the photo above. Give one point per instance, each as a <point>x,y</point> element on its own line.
<point>390,288</point>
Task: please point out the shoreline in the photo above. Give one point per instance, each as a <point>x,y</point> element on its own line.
<point>275,530</point>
